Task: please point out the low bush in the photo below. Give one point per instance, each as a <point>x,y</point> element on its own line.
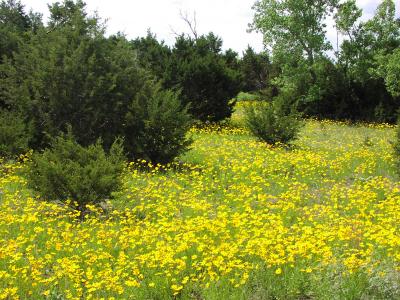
<point>69,171</point>
<point>14,134</point>
<point>273,122</point>
<point>156,125</point>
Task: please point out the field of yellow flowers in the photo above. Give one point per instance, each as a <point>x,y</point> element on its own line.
<point>233,219</point>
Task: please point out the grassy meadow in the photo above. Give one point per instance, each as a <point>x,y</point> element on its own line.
<point>232,219</point>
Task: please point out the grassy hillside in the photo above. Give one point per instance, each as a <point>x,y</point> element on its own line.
<point>233,219</point>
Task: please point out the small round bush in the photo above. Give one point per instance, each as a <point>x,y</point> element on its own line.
<point>273,123</point>
<point>69,171</point>
<point>14,134</point>
<point>156,125</point>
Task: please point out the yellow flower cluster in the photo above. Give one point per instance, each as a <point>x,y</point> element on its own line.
<point>231,208</point>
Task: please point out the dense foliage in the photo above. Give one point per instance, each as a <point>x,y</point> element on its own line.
<point>258,73</point>
<point>359,82</point>
<point>273,123</point>
<point>14,134</point>
<point>153,54</point>
<point>207,78</point>
<point>207,82</point>
<point>69,172</point>
<point>69,74</point>
<point>156,125</point>
<point>14,24</point>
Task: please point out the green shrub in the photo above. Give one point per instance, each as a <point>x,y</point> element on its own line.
<point>14,134</point>
<point>69,171</point>
<point>156,125</point>
<point>273,122</point>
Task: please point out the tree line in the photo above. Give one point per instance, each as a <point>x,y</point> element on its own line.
<point>68,74</point>
<point>357,80</point>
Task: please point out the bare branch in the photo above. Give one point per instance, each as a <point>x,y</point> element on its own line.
<point>191,23</point>
<point>175,33</point>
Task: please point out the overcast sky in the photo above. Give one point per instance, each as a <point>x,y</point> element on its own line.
<point>227,18</point>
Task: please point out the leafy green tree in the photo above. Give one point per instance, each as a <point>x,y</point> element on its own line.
<point>367,42</point>
<point>69,13</point>
<point>364,56</point>
<point>295,32</point>
<point>391,72</point>
<point>330,96</point>
<point>384,30</point>
<point>70,73</point>
<point>347,17</point>
<point>294,26</point>
<point>384,27</point>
